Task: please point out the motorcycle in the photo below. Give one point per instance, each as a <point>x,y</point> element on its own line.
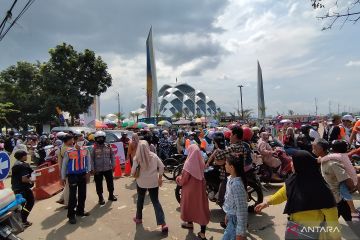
<point>212,177</point>
<point>10,220</point>
<point>265,173</point>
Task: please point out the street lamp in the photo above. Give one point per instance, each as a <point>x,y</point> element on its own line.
<point>242,110</point>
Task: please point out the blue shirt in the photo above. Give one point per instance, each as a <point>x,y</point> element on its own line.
<point>236,203</point>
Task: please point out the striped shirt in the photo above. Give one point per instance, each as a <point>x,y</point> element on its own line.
<point>236,203</point>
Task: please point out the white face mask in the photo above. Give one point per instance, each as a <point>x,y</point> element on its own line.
<point>80,143</point>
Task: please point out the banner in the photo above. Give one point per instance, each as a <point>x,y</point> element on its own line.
<point>118,149</point>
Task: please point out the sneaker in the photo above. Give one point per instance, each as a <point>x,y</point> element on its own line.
<point>27,224</point>
<point>112,198</point>
<point>84,214</point>
<point>72,221</point>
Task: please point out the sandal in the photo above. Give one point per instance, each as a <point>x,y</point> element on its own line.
<point>201,238</point>
<point>137,221</point>
<point>187,225</point>
<point>164,228</point>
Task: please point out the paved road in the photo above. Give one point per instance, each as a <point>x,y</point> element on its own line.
<point>114,220</point>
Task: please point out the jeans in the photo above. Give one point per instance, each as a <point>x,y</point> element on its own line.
<point>154,196</point>
<point>77,184</point>
<point>98,177</point>
<point>230,231</point>
<point>28,205</point>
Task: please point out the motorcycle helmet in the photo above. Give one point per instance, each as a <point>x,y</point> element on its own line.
<point>247,134</point>
<point>219,139</point>
<point>99,134</point>
<point>60,135</point>
<point>314,124</point>
<point>254,129</point>
<point>339,146</point>
<point>305,129</point>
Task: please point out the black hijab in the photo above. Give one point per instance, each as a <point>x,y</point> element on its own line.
<point>306,189</point>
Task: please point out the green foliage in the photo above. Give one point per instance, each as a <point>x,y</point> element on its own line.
<point>68,80</point>
<point>5,109</point>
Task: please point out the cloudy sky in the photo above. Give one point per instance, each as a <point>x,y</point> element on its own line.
<point>212,45</point>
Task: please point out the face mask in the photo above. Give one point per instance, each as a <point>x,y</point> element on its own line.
<point>80,143</point>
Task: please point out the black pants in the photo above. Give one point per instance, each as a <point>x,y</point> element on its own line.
<point>344,210</point>
<point>28,205</point>
<point>202,227</point>
<point>154,196</point>
<point>99,176</point>
<point>77,184</point>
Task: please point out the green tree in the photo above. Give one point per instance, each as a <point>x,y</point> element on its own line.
<point>247,113</point>
<point>20,85</point>
<point>72,79</point>
<point>177,115</point>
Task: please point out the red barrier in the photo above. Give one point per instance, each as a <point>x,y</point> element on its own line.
<point>2,185</point>
<point>48,182</point>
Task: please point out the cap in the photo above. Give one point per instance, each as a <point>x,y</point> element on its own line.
<point>348,117</point>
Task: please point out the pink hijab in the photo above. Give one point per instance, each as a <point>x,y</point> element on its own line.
<point>194,163</point>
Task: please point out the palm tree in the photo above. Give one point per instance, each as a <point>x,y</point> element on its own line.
<point>247,113</point>
<point>177,115</point>
<point>291,112</point>
<point>102,117</point>
<point>199,115</point>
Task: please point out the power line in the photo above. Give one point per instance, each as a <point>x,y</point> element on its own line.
<point>9,15</point>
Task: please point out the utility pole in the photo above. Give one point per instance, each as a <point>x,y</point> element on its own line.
<point>316,107</point>
<point>330,108</point>
<point>338,108</point>
<point>242,109</point>
<point>118,98</point>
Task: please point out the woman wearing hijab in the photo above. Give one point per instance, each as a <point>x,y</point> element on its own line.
<point>132,148</point>
<point>310,202</point>
<point>194,203</point>
<point>149,179</point>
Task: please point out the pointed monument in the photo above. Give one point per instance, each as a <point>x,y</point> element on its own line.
<point>261,100</point>
<point>151,82</point>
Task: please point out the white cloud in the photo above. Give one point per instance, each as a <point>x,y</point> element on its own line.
<point>353,64</point>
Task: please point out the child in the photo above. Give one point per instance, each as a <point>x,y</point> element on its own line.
<point>22,184</point>
<point>339,149</point>
<point>235,205</point>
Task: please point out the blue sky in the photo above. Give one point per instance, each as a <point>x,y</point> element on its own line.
<point>212,45</point>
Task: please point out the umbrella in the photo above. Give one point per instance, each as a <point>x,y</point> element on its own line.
<point>203,120</point>
<point>182,122</point>
<point>164,123</point>
<point>140,125</point>
<point>285,121</point>
<point>99,124</point>
<point>198,120</point>
<point>151,125</point>
<point>131,123</point>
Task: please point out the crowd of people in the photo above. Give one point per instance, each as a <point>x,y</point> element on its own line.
<point>319,190</point>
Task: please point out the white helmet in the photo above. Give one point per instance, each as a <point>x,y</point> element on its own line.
<point>255,129</point>
<point>60,135</point>
<point>99,134</point>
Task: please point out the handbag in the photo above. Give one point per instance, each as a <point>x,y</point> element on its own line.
<point>137,172</point>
